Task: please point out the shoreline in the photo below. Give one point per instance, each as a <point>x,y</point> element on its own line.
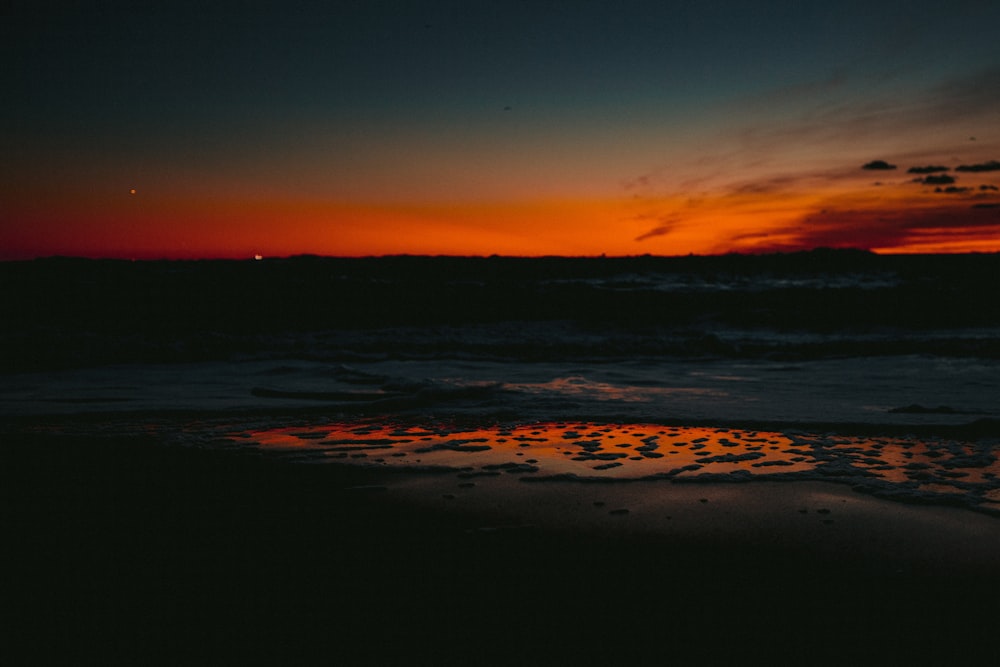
<point>130,550</point>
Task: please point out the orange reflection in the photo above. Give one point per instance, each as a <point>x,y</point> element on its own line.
<point>583,450</point>
<point>579,449</point>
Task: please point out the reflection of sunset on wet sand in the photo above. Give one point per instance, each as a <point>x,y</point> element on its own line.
<point>904,468</point>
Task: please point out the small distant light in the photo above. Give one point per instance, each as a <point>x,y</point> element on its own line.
<point>132,191</point>
<point>258,257</point>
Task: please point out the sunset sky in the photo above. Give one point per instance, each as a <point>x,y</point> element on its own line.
<point>228,129</point>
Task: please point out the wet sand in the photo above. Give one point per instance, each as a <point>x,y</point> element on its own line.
<point>128,552</point>
<point>816,520</point>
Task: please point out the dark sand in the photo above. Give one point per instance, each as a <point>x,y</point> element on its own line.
<point>122,551</point>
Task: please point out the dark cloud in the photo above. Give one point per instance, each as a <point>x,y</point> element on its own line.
<point>988,187</point>
<point>930,169</point>
<point>878,165</point>
<point>665,225</point>
<point>953,190</point>
<point>942,179</point>
<point>992,165</point>
<point>885,229</point>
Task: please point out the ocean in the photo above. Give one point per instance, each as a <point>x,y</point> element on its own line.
<point>881,372</point>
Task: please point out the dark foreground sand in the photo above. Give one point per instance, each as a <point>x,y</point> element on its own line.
<point>126,552</point>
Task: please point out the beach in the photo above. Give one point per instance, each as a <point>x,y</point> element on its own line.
<point>414,332</point>
<point>788,459</point>
<point>128,551</point>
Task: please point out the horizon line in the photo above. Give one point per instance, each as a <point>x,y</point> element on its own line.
<point>307,255</point>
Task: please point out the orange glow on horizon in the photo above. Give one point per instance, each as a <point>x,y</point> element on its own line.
<point>232,225</point>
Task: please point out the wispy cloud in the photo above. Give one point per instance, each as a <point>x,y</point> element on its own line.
<point>661,224</point>
<point>969,94</point>
<point>820,151</point>
<point>887,229</point>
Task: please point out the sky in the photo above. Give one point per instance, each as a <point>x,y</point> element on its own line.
<point>538,127</point>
